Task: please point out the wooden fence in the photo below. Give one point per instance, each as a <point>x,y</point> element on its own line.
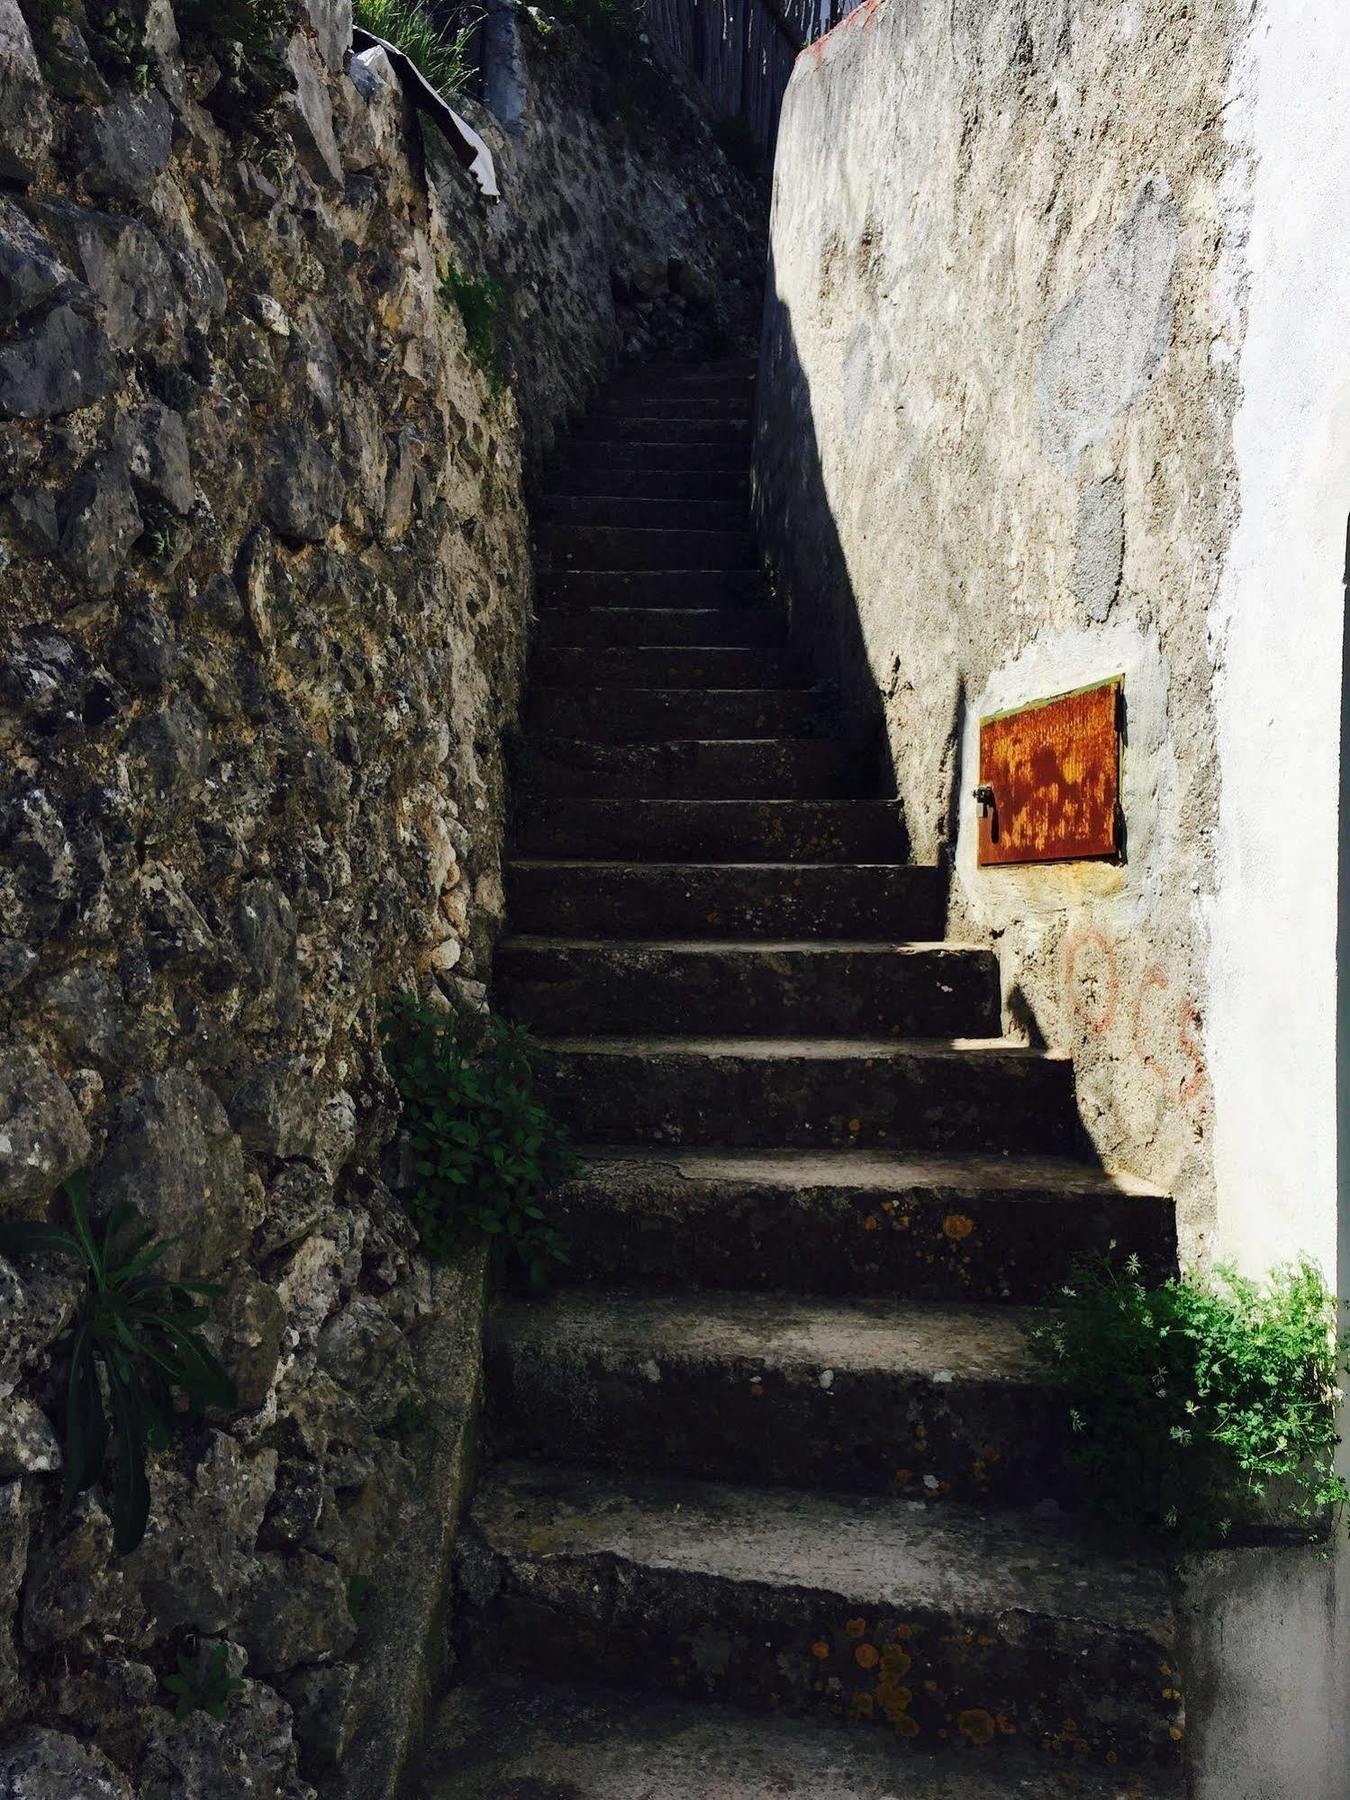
<point>742,51</point>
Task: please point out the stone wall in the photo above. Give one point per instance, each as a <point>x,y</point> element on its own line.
<point>1005,369</point>
<point>265,588</point>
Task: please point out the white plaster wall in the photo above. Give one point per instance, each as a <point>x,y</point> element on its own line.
<point>1276,631</point>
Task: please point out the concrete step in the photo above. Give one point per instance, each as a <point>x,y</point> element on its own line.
<point>555,984</point>
<point>635,427</point>
<point>675,666</point>
<point>523,1739</point>
<point>917,1094</point>
<point>721,900</point>
<point>626,452</point>
<point>711,768</point>
<point>861,1396</point>
<point>936,1625</point>
<point>655,715</point>
<point>633,547</point>
<point>664,514</point>
<point>778,831</point>
<point>651,484</point>
<point>856,1222</point>
<point>645,625</point>
<point>651,587</point>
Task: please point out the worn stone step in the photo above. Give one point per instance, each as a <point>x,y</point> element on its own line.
<point>719,900</point>
<point>616,452</point>
<point>705,830</point>
<point>855,1222</point>
<point>634,427</point>
<point>632,547</point>
<point>926,1626</point>
<point>658,514</point>
<point>651,587</point>
<point>673,403</point>
<point>862,1396</point>
<point>655,715</point>
<point>697,625</point>
<point>675,666</point>
<point>516,1738</point>
<point>715,768</point>
<point>833,1093</point>
<point>555,984</point>
<point>652,484</point>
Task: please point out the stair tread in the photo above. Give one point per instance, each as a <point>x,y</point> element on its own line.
<point>823,947</point>
<point>503,1739</point>
<point>887,1171</point>
<point>786,1049</point>
<point>792,1335</point>
<point>910,1555</point>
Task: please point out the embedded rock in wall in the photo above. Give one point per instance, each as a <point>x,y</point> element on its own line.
<point>264,588</point>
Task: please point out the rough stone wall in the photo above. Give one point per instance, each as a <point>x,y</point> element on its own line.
<point>995,462</point>
<point>265,592</point>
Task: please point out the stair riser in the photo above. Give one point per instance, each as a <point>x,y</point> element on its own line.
<point>852,1242</point>
<point>652,405</point>
<point>874,1432</point>
<point>674,666</point>
<point>653,429</point>
<point>644,715</point>
<point>731,588</point>
<point>712,830</point>
<point>635,989</point>
<point>615,547</point>
<point>827,902</point>
<point>982,1102</point>
<point>609,626</point>
<point>652,484</point>
<point>764,768</point>
<point>604,454</point>
<point>660,514</point>
<point>927,1679</point>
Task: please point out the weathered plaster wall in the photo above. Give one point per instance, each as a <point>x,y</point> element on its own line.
<point>996,460</point>
<point>264,594</point>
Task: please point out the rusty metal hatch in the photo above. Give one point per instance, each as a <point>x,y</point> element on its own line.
<point>1050,779</point>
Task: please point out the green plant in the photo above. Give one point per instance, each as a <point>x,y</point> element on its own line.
<point>134,1334</point>
<point>254,24</point>
<point>440,51</point>
<point>483,1147</point>
<point>204,1689</point>
<point>1203,1407</point>
<point>358,1593</point>
<point>479,301</point>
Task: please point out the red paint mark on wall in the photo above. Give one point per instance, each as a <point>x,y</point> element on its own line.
<point>1092,979</point>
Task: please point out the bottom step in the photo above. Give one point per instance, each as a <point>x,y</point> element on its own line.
<point>523,1741</point>
<point>924,1627</point>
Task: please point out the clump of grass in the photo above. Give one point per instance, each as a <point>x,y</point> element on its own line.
<point>440,51</point>
<point>478,300</point>
<point>1203,1408</point>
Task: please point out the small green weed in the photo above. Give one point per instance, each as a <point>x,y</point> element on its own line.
<point>135,1332</point>
<point>358,1595</point>
<point>1204,1407</point>
<point>439,50</point>
<point>484,1148</point>
<point>254,24</point>
<point>206,1689</point>
<point>479,302</point>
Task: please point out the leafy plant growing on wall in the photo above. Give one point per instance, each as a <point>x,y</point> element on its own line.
<point>479,303</point>
<point>440,51</point>
<point>1204,1407</point>
<point>206,1688</point>
<point>484,1148</point>
<point>134,1346</point>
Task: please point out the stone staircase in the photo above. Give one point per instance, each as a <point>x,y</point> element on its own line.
<point>776,1447</point>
